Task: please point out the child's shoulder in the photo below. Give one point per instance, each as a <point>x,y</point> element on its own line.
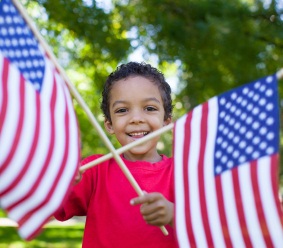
<point>165,158</point>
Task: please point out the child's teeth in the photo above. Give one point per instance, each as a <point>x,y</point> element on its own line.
<point>138,134</point>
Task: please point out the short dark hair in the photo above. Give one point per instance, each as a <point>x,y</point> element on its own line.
<point>137,69</point>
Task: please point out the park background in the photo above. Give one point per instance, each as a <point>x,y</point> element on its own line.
<point>204,48</point>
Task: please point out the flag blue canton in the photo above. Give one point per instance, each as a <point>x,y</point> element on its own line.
<point>18,44</point>
<point>248,124</point>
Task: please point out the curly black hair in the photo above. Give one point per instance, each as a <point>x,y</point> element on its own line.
<point>137,69</point>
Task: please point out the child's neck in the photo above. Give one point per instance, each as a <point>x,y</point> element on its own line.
<point>136,157</point>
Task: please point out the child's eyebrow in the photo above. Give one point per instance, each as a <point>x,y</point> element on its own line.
<point>151,99</point>
<point>145,100</point>
<point>118,102</point>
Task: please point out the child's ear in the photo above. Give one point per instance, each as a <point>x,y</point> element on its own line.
<point>108,126</point>
<point>167,121</point>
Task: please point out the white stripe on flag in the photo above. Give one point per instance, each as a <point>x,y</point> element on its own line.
<point>194,152</point>
<point>213,213</point>
<point>231,209</point>
<point>249,206</point>
<point>181,227</point>
<point>269,206</point>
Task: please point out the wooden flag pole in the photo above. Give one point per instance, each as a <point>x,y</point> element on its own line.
<point>83,105</point>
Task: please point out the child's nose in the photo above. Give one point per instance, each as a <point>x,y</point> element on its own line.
<point>137,117</point>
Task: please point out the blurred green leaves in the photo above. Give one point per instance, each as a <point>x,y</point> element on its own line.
<point>210,46</point>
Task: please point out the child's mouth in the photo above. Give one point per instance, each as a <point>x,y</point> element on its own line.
<point>138,134</point>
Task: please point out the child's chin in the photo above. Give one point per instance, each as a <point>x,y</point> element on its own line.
<point>139,150</point>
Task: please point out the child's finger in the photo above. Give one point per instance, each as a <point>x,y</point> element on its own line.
<point>146,198</point>
<point>139,200</point>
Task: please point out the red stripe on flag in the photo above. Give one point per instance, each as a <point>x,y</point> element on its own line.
<point>240,208</point>
<point>4,88</point>
<point>186,150</point>
<point>49,154</point>
<point>275,184</point>
<point>203,205</point>
<point>221,209</point>
<point>258,204</point>
<point>19,128</point>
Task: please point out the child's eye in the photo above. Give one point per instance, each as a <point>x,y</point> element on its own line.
<point>149,108</point>
<point>121,110</point>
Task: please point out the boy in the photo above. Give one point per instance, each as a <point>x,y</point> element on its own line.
<point>136,101</point>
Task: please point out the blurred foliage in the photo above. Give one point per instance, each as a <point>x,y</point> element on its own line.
<point>2,213</point>
<point>212,46</point>
<point>219,44</point>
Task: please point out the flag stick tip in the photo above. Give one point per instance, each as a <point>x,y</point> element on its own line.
<point>279,74</point>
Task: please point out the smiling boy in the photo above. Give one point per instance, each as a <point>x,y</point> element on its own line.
<point>136,101</point>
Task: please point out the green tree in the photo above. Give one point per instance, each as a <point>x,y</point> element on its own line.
<point>213,45</point>
<point>219,44</point>
<point>89,45</point>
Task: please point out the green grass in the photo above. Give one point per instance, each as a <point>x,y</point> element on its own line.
<point>50,237</point>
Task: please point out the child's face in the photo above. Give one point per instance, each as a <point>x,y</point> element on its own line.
<point>136,109</point>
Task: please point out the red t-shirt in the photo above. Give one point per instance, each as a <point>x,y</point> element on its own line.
<point>104,195</point>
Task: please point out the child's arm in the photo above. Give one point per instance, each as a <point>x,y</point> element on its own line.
<point>155,208</point>
<point>78,199</point>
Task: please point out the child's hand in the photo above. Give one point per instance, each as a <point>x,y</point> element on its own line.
<point>78,178</point>
<point>155,209</point>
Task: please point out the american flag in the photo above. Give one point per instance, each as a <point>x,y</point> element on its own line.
<point>39,140</point>
<point>226,162</point>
